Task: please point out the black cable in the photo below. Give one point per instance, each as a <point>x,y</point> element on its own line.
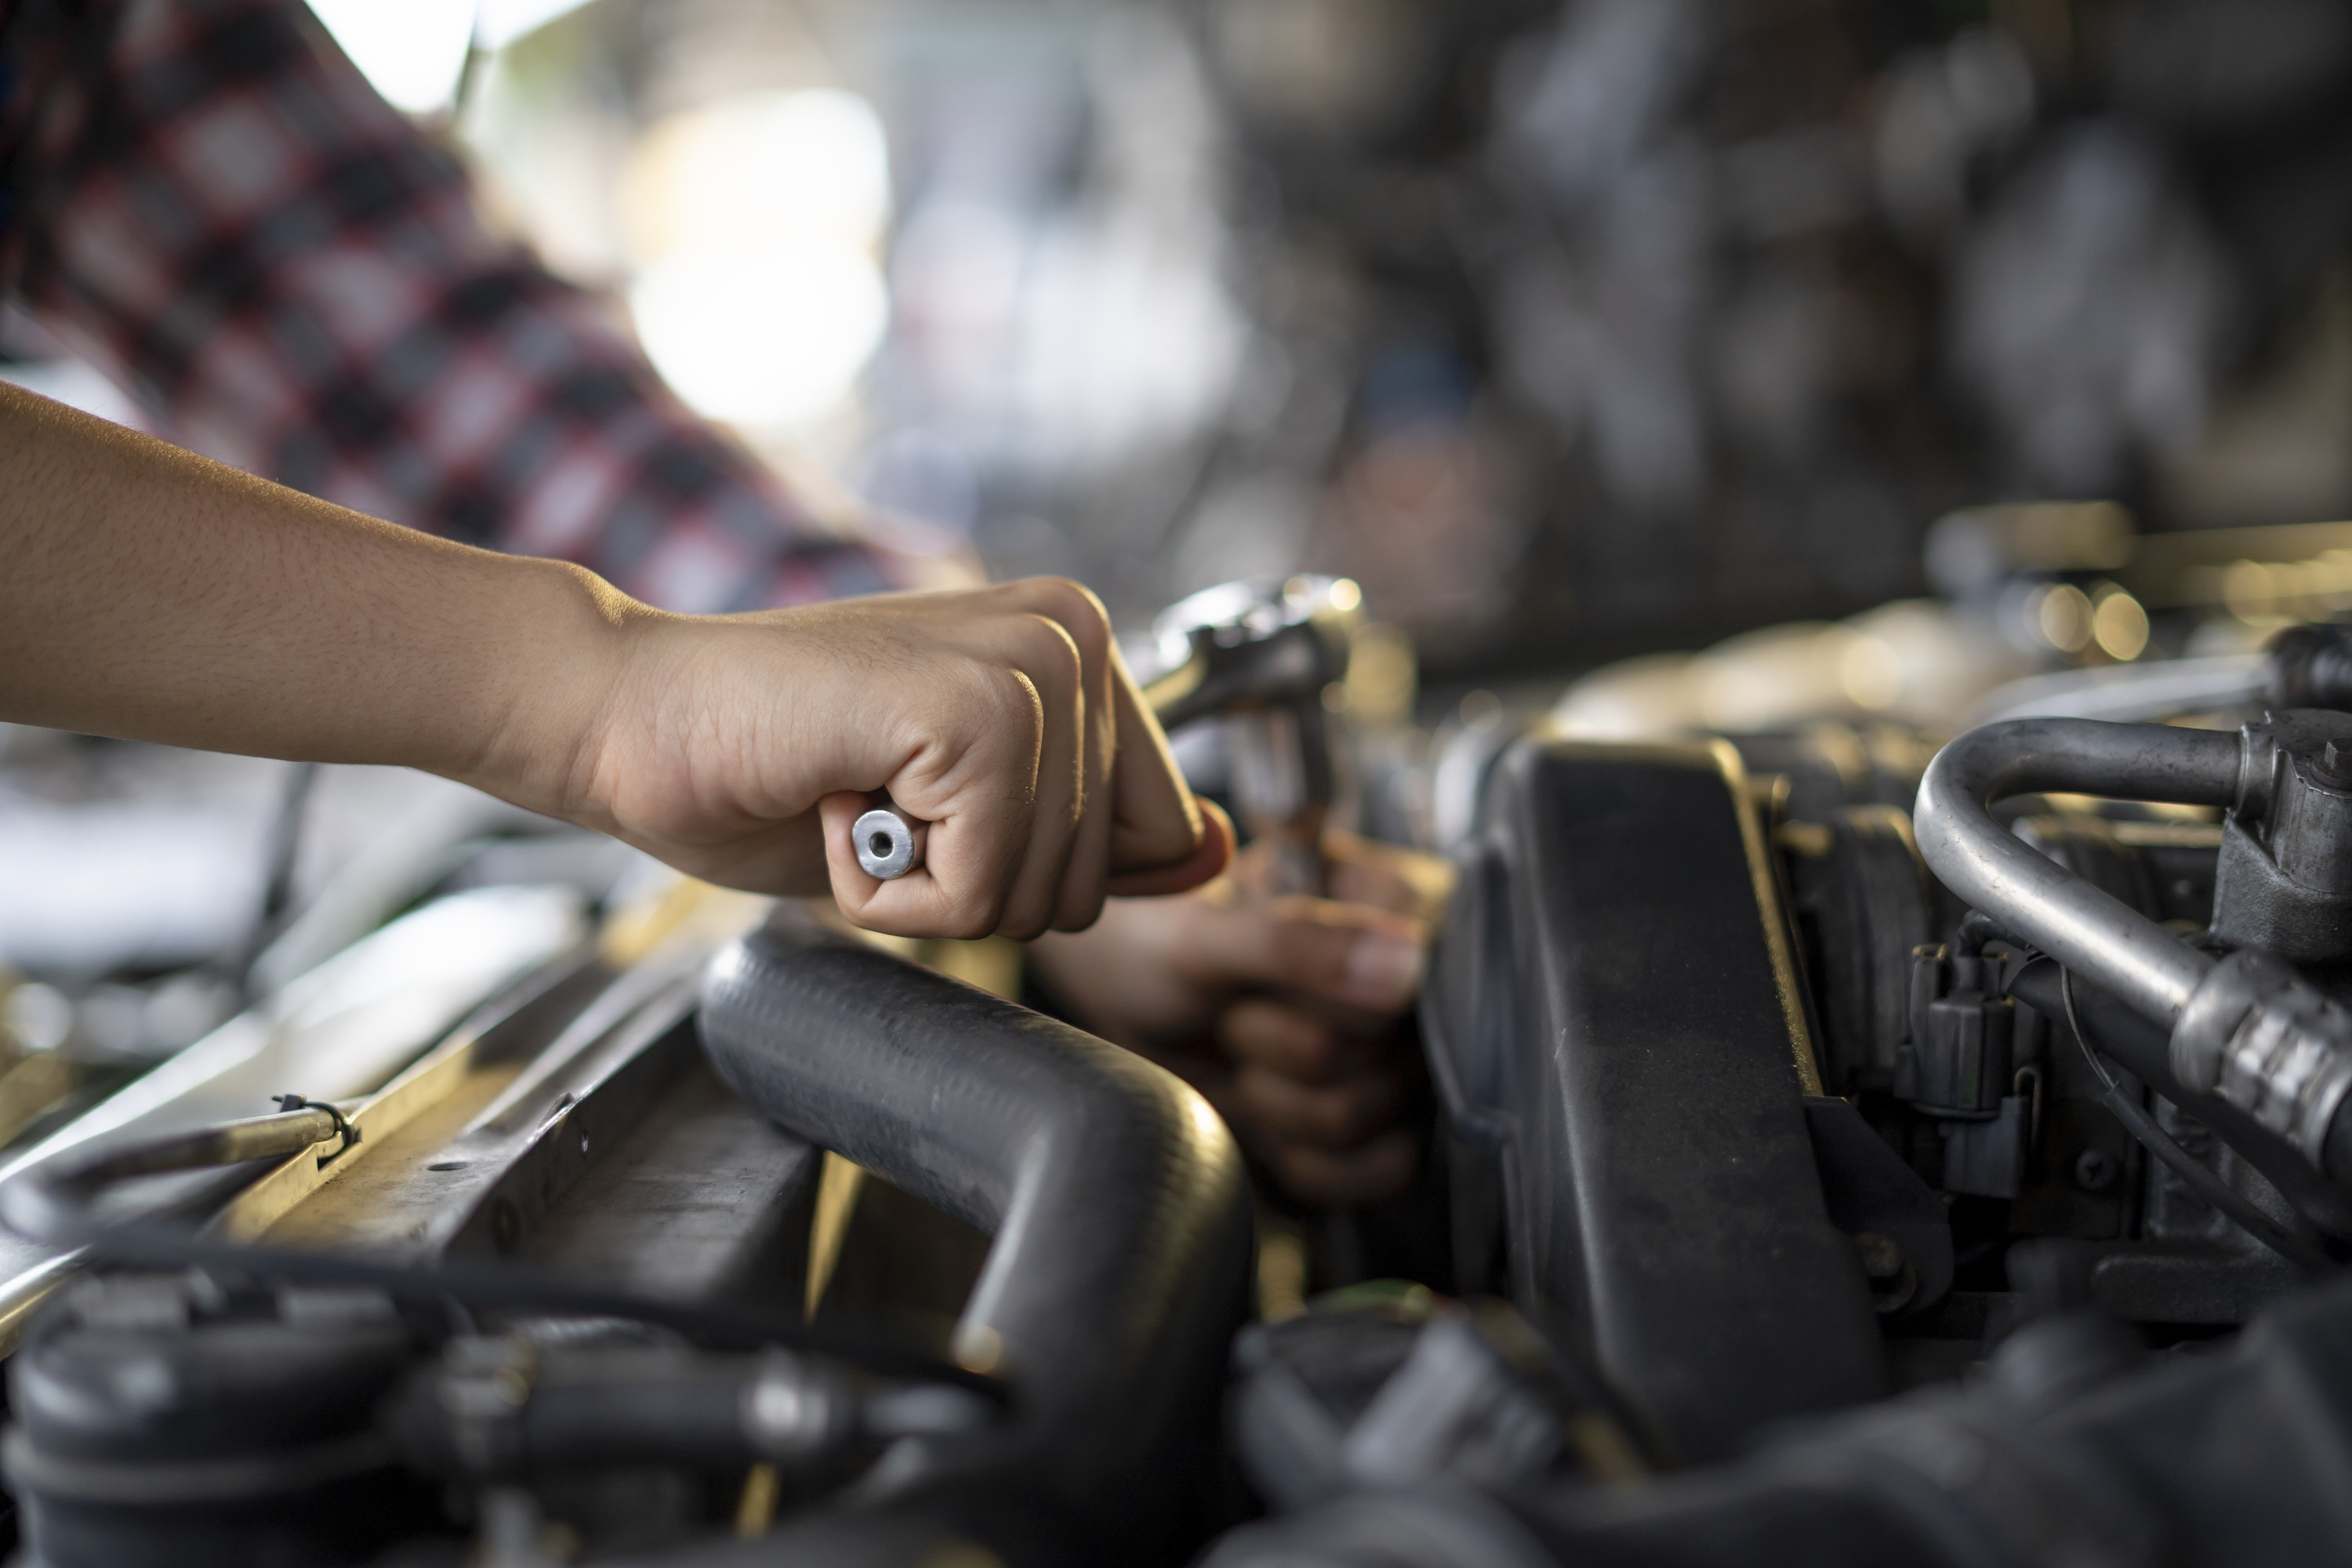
<point>2200,1177</point>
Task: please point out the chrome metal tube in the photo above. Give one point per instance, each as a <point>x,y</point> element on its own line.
<point>2113,946</point>
<point>50,1202</point>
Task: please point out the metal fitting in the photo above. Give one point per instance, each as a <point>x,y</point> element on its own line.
<point>2257,1035</point>
<point>888,846</point>
<point>797,1409</point>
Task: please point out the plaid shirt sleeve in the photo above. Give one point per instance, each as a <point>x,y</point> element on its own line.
<point>207,201</point>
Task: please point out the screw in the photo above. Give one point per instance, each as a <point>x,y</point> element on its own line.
<point>2095,1170</point>
<point>2336,765</point>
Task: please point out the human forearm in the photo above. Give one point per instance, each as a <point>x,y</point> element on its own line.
<point>147,592</point>
<point>154,595</point>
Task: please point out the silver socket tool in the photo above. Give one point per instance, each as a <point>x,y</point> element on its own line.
<point>888,846</point>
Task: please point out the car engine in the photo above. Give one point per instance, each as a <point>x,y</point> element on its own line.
<point>1843,1149</point>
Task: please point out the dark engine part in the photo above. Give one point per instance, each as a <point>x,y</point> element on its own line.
<point>175,1421</point>
<point>174,1418</point>
<point>1625,1078</point>
<point>297,1409</point>
<point>1606,956</point>
<point>1368,1394</point>
<point>2065,1454</point>
<point>1122,1258</point>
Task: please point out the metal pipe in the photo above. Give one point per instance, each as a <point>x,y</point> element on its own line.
<point>2108,944</point>
<point>1121,1217</point>
<point>51,1202</point>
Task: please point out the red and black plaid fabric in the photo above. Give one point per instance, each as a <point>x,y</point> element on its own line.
<point>209,202</point>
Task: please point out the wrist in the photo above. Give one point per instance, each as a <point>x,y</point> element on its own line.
<point>567,645</point>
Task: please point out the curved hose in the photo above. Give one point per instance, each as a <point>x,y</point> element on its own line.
<point>1118,1205</point>
<point>2106,941</point>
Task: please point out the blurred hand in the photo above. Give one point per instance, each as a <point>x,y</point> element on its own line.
<point>742,748</point>
<point>1288,1014</point>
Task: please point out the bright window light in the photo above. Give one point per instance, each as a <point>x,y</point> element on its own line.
<point>770,339</point>
<point>411,50</point>
<point>755,224</point>
<point>756,171</point>
<point>504,21</point>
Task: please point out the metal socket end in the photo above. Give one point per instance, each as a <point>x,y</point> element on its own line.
<point>888,845</point>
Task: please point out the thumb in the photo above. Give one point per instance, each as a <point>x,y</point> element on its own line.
<point>1344,955</point>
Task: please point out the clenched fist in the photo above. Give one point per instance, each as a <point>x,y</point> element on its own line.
<point>742,748</point>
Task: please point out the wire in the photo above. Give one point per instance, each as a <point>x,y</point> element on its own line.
<point>2202,1177</point>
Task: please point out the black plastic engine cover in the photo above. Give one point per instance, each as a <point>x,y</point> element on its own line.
<point>1616,1029</point>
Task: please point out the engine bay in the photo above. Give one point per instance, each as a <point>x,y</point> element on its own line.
<point>1841,1148</point>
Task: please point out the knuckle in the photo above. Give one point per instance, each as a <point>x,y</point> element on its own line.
<point>1080,612</point>
<point>1055,649</point>
<point>1003,696</point>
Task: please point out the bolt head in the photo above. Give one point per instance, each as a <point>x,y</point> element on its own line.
<point>2095,1170</point>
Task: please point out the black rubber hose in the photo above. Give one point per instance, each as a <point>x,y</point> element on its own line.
<point>683,1410</point>
<point>661,1405</point>
<point>1122,1222</point>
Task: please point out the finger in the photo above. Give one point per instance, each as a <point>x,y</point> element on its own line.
<point>975,784</point>
<point>1157,821</point>
<point>1380,1171</point>
<point>1070,605</point>
<point>1344,955</point>
<point>1261,1032</point>
<point>1043,650</point>
<point>1209,858</point>
<point>852,887</point>
<point>1343,1115</point>
<point>1385,875</point>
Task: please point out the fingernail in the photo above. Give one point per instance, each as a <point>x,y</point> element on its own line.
<point>1384,969</point>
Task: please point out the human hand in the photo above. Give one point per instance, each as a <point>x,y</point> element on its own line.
<point>742,748</point>
<point>1288,1014</point>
